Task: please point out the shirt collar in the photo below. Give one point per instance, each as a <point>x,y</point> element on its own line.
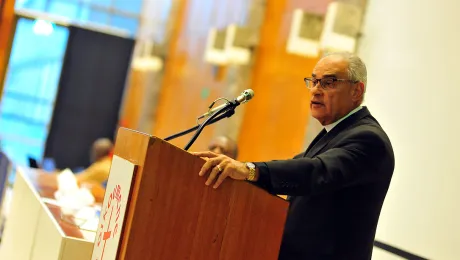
<point>330,126</point>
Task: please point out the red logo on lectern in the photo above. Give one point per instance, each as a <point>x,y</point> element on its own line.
<point>110,221</point>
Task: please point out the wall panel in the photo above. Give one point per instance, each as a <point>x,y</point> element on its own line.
<point>190,84</point>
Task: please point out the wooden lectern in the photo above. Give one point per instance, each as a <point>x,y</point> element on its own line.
<point>171,214</point>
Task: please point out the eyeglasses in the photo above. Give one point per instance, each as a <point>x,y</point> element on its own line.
<point>325,83</point>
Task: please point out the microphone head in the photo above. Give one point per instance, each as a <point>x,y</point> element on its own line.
<point>247,95</point>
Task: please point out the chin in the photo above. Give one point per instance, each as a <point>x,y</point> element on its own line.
<point>318,116</point>
<point>315,113</point>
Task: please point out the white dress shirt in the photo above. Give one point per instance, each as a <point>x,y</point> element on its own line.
<point>330,126</point>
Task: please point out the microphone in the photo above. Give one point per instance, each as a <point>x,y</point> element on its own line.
<point>244,97</point>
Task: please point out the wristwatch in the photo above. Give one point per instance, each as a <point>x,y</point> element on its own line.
<point>252,171</point>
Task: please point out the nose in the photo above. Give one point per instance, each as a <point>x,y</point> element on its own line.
<point>316,90</point>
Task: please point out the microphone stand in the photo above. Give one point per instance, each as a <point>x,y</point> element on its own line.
<point>222,113</point>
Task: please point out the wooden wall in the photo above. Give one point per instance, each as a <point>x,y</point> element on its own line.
<point>190,84</point>
<point>131,110</point>
<point>7,25</point>
<point>274,122</point>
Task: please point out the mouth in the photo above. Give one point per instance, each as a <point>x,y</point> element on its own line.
<point>316,103</point>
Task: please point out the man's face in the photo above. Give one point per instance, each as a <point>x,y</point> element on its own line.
<point>339,98</point>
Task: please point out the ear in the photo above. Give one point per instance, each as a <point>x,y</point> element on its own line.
<point>358,91</point>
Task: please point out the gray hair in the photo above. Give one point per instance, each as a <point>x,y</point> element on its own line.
<point>356,68</point>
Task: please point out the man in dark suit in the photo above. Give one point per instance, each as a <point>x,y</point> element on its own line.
<point>224,145</point>
<point>337,186</point>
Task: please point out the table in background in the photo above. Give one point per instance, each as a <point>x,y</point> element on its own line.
<point>38,230</point>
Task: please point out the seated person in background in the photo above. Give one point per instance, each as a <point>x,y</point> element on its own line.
<point>101,159</point>
<point>96,175</point>
<point>224,145</point>
<point>93,177</point>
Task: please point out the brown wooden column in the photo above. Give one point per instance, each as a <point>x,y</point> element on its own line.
<point>275,121</point>
<point>144,85</point>
<point>7,26</point>
<point>190,84</point>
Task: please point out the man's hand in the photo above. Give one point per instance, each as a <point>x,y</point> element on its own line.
<point>220,167</point>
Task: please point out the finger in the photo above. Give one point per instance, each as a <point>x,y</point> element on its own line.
<point>208,165</point>
<point>222,176</point>
<point>205,154</point>
<point>215,171</point>
<point>205,158</point>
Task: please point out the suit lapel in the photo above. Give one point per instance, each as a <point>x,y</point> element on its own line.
<point>312,145</point>
<point>315,141</point>
<point>319,145</point>
<point>322,141</point>
<point>324,137</point>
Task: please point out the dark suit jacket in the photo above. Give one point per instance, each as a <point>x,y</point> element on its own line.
<point>337,189</point>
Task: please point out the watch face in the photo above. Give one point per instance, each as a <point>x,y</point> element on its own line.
<point>250,165</point>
